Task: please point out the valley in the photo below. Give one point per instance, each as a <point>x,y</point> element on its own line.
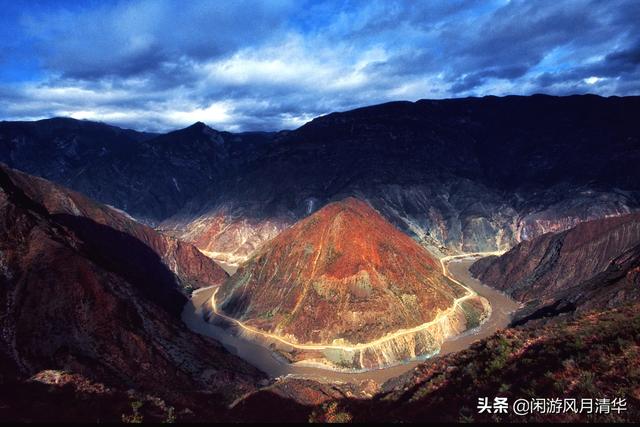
<point>353,267</point>
<point>257,347</point>
<point>320,211</point>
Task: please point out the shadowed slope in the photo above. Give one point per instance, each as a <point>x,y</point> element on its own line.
<point>71,303</point>
<point>593,265</point>
<point>193,269</point>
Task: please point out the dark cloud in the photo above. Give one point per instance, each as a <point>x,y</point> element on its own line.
<point>244,65</point>
<point>622,61</point>
<point>132,38</point>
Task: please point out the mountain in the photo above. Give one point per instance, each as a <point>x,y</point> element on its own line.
<point>595,264</point>
<point>458,175</point>
<point>346,277</point>
<point>89,306</point>
<point>149,176</point>
<point>191,268</point>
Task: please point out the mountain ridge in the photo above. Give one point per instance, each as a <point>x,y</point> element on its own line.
<point>78,316</point>
<point>593,265</point>
<point>458,175</point>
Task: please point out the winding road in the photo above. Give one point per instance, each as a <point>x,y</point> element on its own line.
<point>257,352</point>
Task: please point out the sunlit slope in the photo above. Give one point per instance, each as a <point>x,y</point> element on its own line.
<point>346,279</point>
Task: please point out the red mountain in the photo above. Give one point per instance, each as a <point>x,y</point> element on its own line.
<point>344,276</point>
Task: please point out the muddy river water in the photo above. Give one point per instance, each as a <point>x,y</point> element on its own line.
<point>259,355</point>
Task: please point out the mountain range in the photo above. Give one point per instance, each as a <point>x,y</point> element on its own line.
<point>326,238</point>
<point>458,175</point>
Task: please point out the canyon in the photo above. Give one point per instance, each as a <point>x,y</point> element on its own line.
<point>323,273</point>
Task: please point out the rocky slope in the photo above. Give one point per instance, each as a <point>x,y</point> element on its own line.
<point>596,264</point>
<point>74,310</point>
<point>192,268</point>
<point>228,236</point>
<point>459,175</point>
<point>345,277</point>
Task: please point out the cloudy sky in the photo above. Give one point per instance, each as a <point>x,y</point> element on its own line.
<point>249,65</point>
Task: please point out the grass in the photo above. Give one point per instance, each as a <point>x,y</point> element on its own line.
<point>595,355</point>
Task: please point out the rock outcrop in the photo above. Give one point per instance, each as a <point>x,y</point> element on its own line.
<point>347,288</point>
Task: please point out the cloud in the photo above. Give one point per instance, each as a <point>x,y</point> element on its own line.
<point>249,65</point>
<point>132,38</point>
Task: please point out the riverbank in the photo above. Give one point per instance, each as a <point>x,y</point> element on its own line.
<point>260,355</point>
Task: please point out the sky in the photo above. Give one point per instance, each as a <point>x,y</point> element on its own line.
<point>241,65</point>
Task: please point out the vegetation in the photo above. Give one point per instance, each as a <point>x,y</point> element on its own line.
<point>330,413</point>
<point>472,314</point>
<point>135,417</point>
<point>596,355</point>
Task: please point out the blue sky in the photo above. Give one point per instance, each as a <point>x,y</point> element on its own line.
<point>248,65</point>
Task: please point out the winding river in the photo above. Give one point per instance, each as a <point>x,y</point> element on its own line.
<point>259,355</point>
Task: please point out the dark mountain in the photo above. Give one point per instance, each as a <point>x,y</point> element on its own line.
<point>191,268</point>
<point>470,174</point>
<point>593,265</point>
<point>147,175</point>
<point>92,308</point>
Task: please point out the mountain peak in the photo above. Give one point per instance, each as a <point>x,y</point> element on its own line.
<point>200,126</point>
<point>337,277</point>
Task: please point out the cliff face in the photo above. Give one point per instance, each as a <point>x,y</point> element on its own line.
<point>344,277</point>
<point>69,305</point>
<point>594,264</point>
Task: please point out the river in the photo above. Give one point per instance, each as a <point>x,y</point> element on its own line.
<point>259,355</point>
